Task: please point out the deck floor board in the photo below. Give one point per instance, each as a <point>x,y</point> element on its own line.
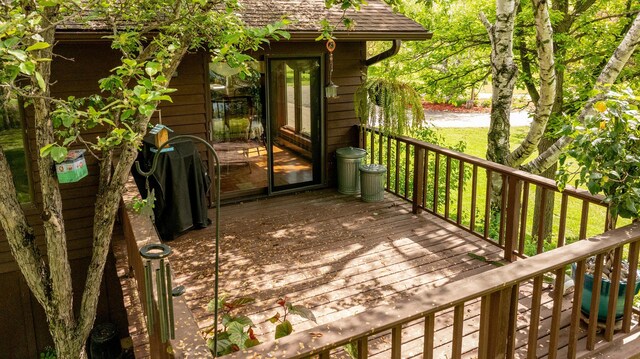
<point>340,256</point>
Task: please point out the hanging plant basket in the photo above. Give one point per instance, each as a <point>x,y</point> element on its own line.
<point>390,105</point>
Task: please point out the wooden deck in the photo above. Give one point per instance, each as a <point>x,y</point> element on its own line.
<point>333,253</point>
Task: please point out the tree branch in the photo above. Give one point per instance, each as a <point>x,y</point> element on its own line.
<point>607,77</point>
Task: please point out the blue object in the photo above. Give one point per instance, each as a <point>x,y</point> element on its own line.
<point>605,288</point>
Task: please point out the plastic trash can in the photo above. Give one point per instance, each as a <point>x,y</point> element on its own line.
<point>372,182</point>
<point>349,160</point>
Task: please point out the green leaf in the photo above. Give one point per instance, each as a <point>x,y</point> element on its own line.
<point>241,302</point>
<point>303,312</point>
<point>38,46</point>
<point>40,80</point>
<point>237,334</point>
<point>251,343</point>
<point>44,151</point>
<point>152,68</point>
<point>58,153</point>
<point>275,318</point>
<point>283,329</point>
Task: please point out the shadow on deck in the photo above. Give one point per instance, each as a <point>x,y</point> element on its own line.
<point>332,253</point>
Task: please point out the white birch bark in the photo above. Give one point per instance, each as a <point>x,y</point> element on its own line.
<point>504,73</point>
<point>544,106</point>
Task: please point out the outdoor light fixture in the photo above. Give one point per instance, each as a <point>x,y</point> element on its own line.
<point>331,90</point>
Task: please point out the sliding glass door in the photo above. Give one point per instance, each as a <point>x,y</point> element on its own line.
<point>295,121</point>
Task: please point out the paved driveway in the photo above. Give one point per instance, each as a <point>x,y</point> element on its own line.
<point>473,119</point>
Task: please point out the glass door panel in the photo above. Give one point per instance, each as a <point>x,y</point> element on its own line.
<point>295,113</point>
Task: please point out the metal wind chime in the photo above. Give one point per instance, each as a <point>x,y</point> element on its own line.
<point>331,90</point>
<point>158,252</point>
<point>154,255</point>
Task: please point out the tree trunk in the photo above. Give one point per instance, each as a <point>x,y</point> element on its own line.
<point>547,215</point>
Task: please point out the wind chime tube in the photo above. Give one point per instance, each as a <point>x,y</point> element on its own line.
<point>161,307</point>
<point>172,327</point>
<point>148,288</point>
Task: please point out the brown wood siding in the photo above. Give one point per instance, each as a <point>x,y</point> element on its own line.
<point>25,332</point>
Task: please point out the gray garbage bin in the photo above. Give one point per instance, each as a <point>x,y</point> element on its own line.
<point>372,181</point>
<point>349,160</point>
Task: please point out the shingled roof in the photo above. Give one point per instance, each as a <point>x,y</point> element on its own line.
<point>374,21</point>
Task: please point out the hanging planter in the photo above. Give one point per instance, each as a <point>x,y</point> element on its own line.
<point>390,105</point>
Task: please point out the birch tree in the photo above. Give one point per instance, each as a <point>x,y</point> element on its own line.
<point>501,35</point>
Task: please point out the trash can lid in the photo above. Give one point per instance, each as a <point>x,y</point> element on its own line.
<point>373,168</point>
<point>351,152</point>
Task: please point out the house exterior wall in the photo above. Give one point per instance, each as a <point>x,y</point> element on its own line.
<point>24,330</point>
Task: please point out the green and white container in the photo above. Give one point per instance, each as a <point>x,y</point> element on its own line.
<point>349,160</point>
<point>73,168</point>
<point>372,182</point>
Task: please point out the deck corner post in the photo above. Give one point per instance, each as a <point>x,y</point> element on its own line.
<point>495,323</point>
<point>418,179</point>
<point>513,217</point>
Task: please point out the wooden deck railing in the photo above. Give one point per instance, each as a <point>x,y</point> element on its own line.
<point>458,188</point>
<point>138,232</point>
<point>498,291</point>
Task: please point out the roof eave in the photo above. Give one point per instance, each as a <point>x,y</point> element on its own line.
<point>366,35</point>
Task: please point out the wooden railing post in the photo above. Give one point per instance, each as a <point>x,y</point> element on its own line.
<point>418,179</point>
<point>513,218</point>
<point>495,329</point>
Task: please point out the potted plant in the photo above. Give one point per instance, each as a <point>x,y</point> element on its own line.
<point>606,148</point>
<point>391,105</point>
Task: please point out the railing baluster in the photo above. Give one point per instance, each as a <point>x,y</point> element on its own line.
<point>380,136</point>
<point>474,194</point>
<point>363,137</point>
<point>628,296</point>
<point>460,190</point>
<point>389,163</point>
<point>595,302</point>
<point>436,179</point>
<point>363,348</point>
<point>534,322</point>
<point>397,165</point>
<point>513,321</point>
<point>407,166</point>
<point>447,187</point>
<point>513,216</point>
<point>563,219</point>
<point>613,294</point>
<point>524,209</point>
<point>487,205</point>
<point>503,209</point>
<point>325,354</point>
<point>584,220</point>
<point>558,289</point>
<point>396,342</point>
<point>373,147</point>
<point>426,179</point>
<point>418,178</point>
<point>576,309</point>
<point>429,337</point>
<point>458,325</point>
<point>541,212</point>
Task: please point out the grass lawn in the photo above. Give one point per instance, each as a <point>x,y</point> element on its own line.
<point>13,146</point>
<point>476,145</point>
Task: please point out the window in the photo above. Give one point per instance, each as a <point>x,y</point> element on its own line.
<point>12,141</point>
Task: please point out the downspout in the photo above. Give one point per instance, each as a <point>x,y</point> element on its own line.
<point>395,47</point>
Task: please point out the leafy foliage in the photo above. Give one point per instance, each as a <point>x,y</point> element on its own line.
<point>391,105</point>
<point>606,148</point>
<point>237,330</point>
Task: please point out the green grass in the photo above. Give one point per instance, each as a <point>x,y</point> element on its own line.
<point>13,146</point>
<point>476,145</point>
